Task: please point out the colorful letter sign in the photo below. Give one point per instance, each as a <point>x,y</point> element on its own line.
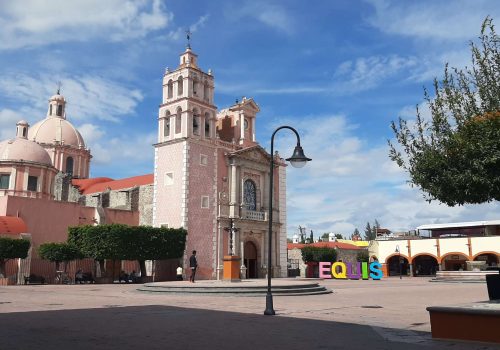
<point>340,270</point>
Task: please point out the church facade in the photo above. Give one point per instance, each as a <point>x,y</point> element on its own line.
<point>210,176</point>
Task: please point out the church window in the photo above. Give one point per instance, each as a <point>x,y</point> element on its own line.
<point>69,165</point>
<point>196,123</point>
<point>204,202</point>
<point>166,125</point>
<point>50,110</point>
<point>207,125</point>
<point>4,181</point>
<point>24,132</point>
<point>59,110</point>
<point>245,124</point>
<point>32,183</point>
<point>180,86</point>
<point>250,195</point>
<point>203,159</point>
<point>170,89</point>
<point>169,179</point>
<point>178,119</point>
<point>205,92</point>
<point>195,85</point>
<point>164,225</point>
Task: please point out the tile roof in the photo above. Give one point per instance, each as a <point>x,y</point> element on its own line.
<point>337,245</point>
<point>12,225</point>
<point>101,184</point>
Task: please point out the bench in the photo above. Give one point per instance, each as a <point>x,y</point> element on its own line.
<point>34,279</point>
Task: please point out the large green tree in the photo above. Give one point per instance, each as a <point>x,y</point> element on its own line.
<point>455,156</point>
<point>59,252</point>
<point>122,242</point>
<point>11,248</point>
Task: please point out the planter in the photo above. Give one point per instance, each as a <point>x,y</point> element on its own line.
<point>7,282</point>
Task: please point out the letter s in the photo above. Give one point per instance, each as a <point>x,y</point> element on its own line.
<point>376,270</point>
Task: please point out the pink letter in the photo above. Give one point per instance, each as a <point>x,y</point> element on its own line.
<point>324,270</point>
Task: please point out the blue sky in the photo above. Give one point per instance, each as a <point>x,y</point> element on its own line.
<point>338,71</point>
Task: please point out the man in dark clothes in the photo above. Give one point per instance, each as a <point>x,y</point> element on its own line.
<point>193,263</point>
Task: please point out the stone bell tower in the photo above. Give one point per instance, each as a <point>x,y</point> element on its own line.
<point>186,159</point>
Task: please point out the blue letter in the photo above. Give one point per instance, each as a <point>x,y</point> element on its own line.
<point>376,270</point>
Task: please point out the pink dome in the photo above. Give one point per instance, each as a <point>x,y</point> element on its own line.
<point>55,129</point>
<point>21,149</point>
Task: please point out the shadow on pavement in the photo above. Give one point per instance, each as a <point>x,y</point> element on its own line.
<point>164,327</point>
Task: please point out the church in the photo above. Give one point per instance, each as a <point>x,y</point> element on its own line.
<point>209,176</point>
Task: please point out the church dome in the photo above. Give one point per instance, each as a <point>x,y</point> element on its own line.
<point>54,130</point>
<point>21,149</point>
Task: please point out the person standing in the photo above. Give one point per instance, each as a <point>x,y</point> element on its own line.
<point>193,264</point>
<point>179,273</point>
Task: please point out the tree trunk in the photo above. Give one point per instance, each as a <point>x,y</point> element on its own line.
<point>3,273</point>
<point>142,265</point>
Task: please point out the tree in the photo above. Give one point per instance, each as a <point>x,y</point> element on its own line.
<point>325,237</point>
<point>339,236</point>
<point>122,242</point>
<point>369,232</point>
<point>362,256</point>
<point>12,248</point>
<point>311,237</point>
<point>59,252</point>
<point>318,254</point>
<point>356,234</point>
<point>455,156</point>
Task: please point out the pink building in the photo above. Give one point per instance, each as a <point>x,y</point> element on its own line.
<point>209,173</point>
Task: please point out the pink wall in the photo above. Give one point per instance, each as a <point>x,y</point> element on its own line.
<point>201,224</point>
<point>169,197</point>
<point>48,220</point>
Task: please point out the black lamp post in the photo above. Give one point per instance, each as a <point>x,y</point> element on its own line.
<point>232,230</point>
<point>297,160</point>
<point>400,262</point>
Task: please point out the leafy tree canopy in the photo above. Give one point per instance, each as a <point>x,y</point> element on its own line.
<point>12,248</point>
<point>455,156</point>
<point>57,252</point>
<point>318,254</point>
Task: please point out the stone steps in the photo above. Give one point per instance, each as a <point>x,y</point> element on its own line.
<point>292,289</point>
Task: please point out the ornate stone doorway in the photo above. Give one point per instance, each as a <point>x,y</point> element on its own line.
<point>251,259</point>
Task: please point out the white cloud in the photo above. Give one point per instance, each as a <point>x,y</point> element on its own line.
<point>351,180</point>
<point>272,15</point>
<point>365,73</point>
<point>34,22</point>
<point>8,120</point>
<point>88,97</point>
<point>437,20</point>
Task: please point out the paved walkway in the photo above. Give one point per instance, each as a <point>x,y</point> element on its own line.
<point>387,314</point>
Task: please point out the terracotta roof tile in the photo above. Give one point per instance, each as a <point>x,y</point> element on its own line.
<point>337,245</point>
<point>100,184</point>
<point>12,225</point>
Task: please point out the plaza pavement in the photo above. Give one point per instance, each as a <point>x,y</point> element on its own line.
<point>386,314</point>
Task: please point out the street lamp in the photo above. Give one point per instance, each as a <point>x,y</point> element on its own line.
<point>399,261</point>
<point>297,160</point>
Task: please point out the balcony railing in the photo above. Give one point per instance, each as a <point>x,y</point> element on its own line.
<point>254,215</point>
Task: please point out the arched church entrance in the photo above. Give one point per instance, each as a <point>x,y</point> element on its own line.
<point>424,265</point>
<point>251,259</point>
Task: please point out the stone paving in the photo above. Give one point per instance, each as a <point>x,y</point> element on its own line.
<point>386,314</point>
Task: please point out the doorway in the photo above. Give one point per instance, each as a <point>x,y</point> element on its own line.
<point>251,259</point>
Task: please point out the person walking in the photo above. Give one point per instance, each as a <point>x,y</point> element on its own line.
<point>193,263</point>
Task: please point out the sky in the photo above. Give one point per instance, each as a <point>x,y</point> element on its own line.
<point>338,71</point>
